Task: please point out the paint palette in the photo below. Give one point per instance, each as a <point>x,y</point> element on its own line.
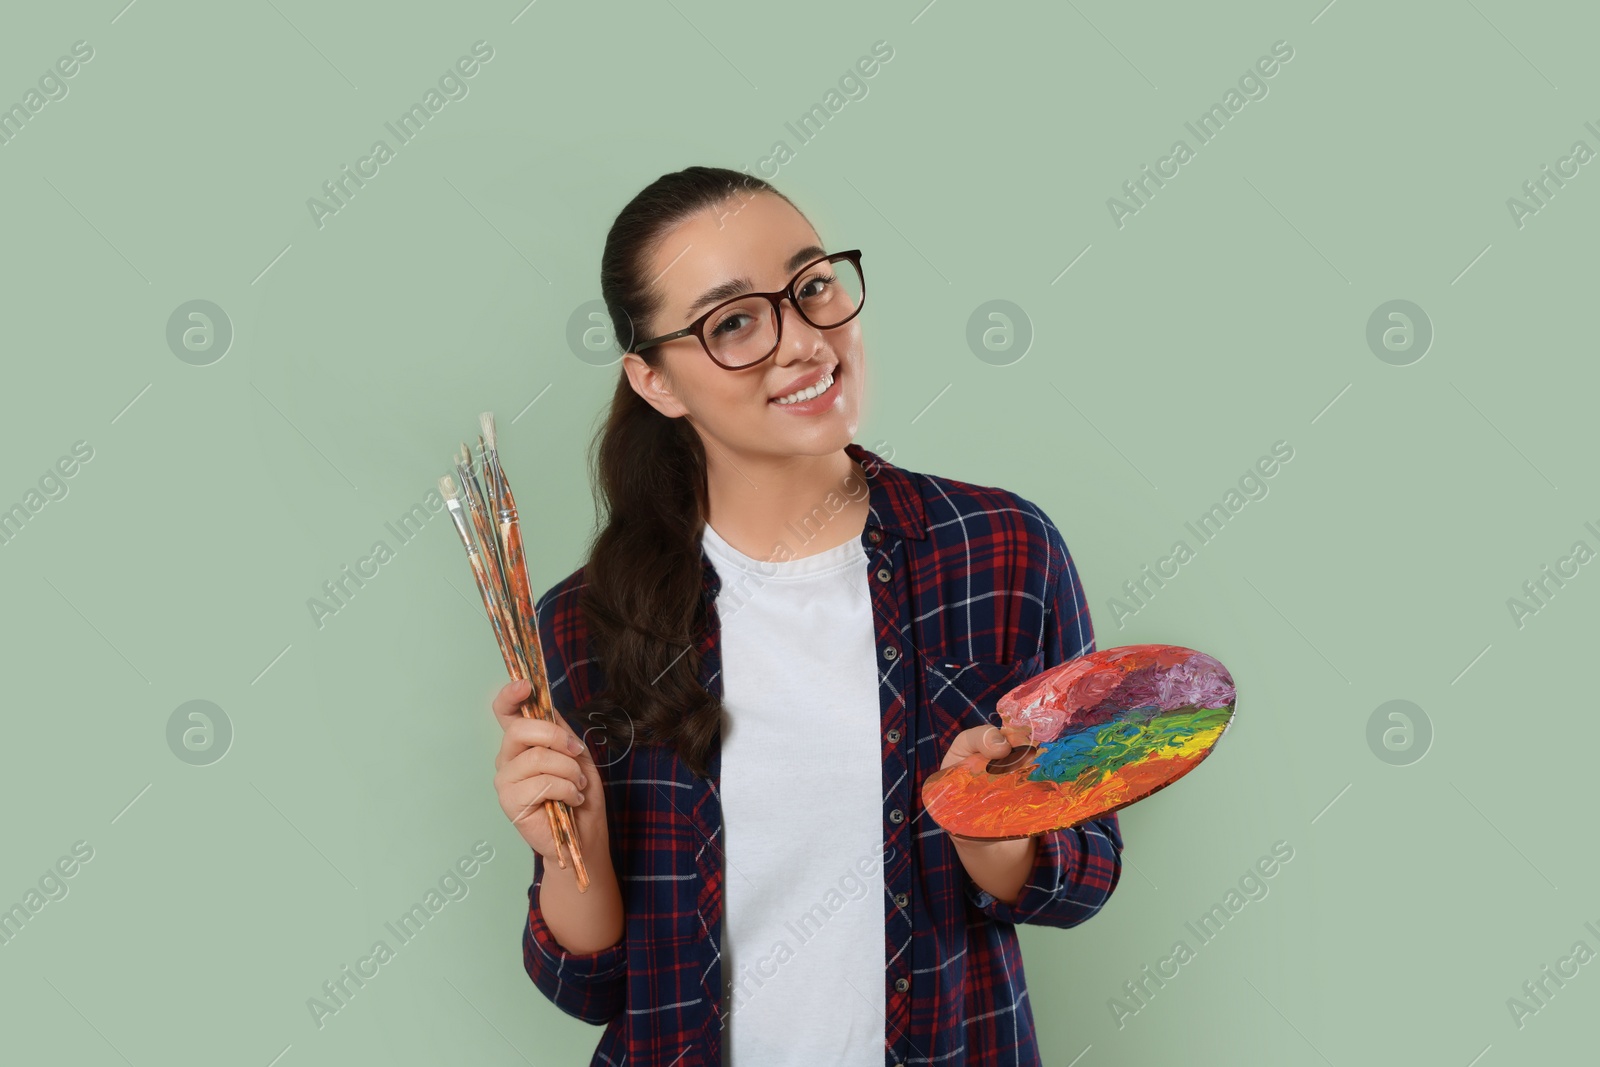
<point>1091,735</point>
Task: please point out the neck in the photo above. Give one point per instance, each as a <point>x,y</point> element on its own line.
<point>785,507</point>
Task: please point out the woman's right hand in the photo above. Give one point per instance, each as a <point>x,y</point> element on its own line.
<point>539,761</point>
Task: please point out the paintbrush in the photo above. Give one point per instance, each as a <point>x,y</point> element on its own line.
<point>516,577</point>
<point>501,620</point>
<point>478,509</point>
<point>516,569</point>
<point>481,505</point>
<point>478,515</point>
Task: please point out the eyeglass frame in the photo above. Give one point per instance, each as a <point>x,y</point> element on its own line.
<point>697,328</point>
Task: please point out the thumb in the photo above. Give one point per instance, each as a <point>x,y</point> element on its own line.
<point>985,741</point>
<point>508,700</point>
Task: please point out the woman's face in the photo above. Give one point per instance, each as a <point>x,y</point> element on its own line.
<point>750,239</point>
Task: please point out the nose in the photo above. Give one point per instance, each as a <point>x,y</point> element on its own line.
<point>794,344</point>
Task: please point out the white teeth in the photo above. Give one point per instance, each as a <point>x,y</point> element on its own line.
<point>807,394</point>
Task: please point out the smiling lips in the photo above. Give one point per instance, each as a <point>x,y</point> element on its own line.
<point>808,387</point>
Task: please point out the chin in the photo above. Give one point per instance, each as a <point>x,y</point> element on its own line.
<point>823,440</point>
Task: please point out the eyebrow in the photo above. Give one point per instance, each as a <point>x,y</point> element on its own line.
<point>739,286</point>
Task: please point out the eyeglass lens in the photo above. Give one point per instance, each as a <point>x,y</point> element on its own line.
<point>746,330</point>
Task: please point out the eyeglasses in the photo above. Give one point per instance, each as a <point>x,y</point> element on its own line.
<point>741,332</point>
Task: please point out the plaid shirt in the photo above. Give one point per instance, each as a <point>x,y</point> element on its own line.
<point>973,592</point>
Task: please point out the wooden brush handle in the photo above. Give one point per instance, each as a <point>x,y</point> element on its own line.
<point>516,575</point>
<point>563,830</point>
<point>563,827</point>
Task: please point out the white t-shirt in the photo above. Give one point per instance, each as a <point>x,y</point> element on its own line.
<point>803,951</point>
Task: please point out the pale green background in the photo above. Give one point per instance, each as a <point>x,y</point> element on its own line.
<point>1225,316</point>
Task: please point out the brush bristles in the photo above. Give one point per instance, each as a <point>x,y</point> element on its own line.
<point>486,421</point>
<point>447,487</point>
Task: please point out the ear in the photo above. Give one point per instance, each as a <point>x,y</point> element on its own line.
<point>652,384</point>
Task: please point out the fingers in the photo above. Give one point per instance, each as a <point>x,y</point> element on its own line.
<point>522,734</point>
<point>538,775</point>
<point>507,701</point>
<point>985,739</point>
<point>539,761</point>
<point>988,741</point>
<point>523,800</point>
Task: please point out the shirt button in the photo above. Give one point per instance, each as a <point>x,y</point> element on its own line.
<point>883,574</point>
<point>900,900</point>
<point>890,652</point>
<point>901,985</point>
<point>897,816</point>
<point>894,736</point>
<point>874,536</point>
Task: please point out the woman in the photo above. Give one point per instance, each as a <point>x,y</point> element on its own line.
<point>794,634</point>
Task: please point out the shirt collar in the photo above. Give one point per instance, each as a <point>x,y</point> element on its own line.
<point>894,505</point>
<point>893,498</point>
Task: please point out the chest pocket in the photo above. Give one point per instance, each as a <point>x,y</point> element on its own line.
<point>961,694</point>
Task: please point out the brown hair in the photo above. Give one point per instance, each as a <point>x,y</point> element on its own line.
<point>642,598</point>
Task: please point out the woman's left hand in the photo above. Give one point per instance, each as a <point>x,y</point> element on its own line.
<point>991,742</point>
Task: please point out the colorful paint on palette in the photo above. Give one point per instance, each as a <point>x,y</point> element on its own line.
<point>1092,735</point>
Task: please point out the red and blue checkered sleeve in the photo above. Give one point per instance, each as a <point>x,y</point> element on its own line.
<point>1074,869</point>
<point>1074,873</point>
<point>586,985</point>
